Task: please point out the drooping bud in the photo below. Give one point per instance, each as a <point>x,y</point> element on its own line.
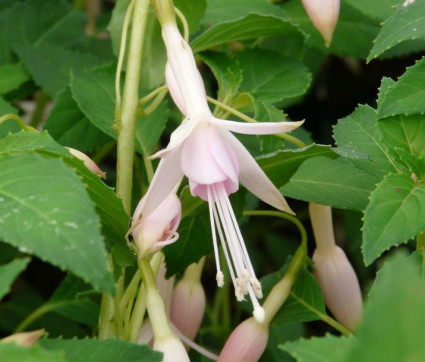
<point>333,271</point>
<point>324,16</point>
<point>188,304</point>
<point>88,162</point>
<point>25,339</point>
<point>172,348</point>
<point>246,343</point>
<point>153,231</point>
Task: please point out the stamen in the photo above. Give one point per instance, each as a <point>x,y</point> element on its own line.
<point>219,276</point>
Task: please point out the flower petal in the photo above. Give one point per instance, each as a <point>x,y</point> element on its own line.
<point>173,87</point>
<point>177,138</point>
<point>253,177</point>
<point>256,128</point>
<point>167,176</point>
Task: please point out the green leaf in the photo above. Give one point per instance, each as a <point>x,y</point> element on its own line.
<point>248,27</point>
<point>376,9</point>
<point>40,23</point>
<point>406,95</point>
<point>69,127</point>
<point>109,207</point>
<point>404,132</point>
<point>393,319</point>
<point>281,165</point>
<point>305,302</point>
<point>193,11</point>
<point>13,353</point>
<point>350,21</point>
<point>149,128</point>
<point>406,23</point>
<point>110,350</point>
<point>6,107</point>
<point>115,26</point>
<point>330,182</point>
<point>358,134</point>
<point>49,65</point>
<point>219,11</point>
<point>325,349</point>
<point>194,242</point>
<point>11,77</point>
<point>100,110</point>
<point>50,215</point>
<point>400,204</point>
<point>273,80</point>
<point>227,72</point>
<point>8,274</point>
<point>71,301</point>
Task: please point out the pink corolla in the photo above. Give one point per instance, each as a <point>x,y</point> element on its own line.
<point>204,150</point>
<point>157,228</point>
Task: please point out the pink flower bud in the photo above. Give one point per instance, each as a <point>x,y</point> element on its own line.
<point>246,343</point>
<point>153,231</point>
<point>339,286</point>
<point>324,15</point>
<point>188,307</point>
<point>88,162</point>
<point>172,349</point>
<point>25,338</point>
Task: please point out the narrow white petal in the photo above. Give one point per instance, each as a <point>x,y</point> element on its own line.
<point>256,128</point>
<point>167,175</point>
<point>253,177</point>
<point>179,135</point>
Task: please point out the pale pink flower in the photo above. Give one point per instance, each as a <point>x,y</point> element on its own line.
<point>246,343</point>
<point>203,149</point>
<point>333,271</point>
<point>155,229</point>
<point>324,16</point>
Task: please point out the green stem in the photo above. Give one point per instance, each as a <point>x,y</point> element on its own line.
<point>420,241</point>
<point>246,118</point>
<point>148,168</point>
<point>126,124</point>
<point>185,25</point>
<point>155,103</point>
<point>333,323</point>
<point>152,94</point>
<point>40,106</point>
<point>19,122</point>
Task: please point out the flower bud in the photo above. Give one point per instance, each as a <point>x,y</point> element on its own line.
<point>25,339</point>
<point>333,271</point>
<point>172,349</point>
<point>246,343</point>
<point>153,231</point>
<point>88,162</point>
<point>188,307</point>
<point>339,286</point>
<point>324,16</point>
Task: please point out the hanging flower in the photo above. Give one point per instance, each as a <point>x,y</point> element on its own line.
<point>215,162</point>
<point>88,162</point>
<point>155,229</point>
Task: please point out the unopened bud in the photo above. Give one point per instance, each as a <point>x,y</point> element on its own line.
<point>88,162</point>
<point>324,16</point>
<point>153,231</point>
<point>188,307</point>
<point>24,338</point>
<point>172,349</point>
<point>339,285</point>
<point>246,343</point>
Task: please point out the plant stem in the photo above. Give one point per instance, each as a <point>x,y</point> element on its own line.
<point>40,106</point>
<point>126,124</point>
<point>19,122</point>
<point>246,118</point>
<point>420,240</point>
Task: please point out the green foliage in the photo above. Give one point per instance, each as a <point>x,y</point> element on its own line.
<point>8,274</point>
<point>11,77</point>
<point>109,350</point>
<point>330,182</point>
<point>13,353</point>
<point>406,23</point>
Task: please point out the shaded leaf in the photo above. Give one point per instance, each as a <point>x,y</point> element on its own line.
<point>8,274</point>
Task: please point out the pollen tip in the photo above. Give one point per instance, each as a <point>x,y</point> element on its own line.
<point>220,279</point>
<point>259,314</point>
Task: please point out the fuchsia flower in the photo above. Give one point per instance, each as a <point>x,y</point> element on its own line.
<point>215,162</point>
<point>155,229</point>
